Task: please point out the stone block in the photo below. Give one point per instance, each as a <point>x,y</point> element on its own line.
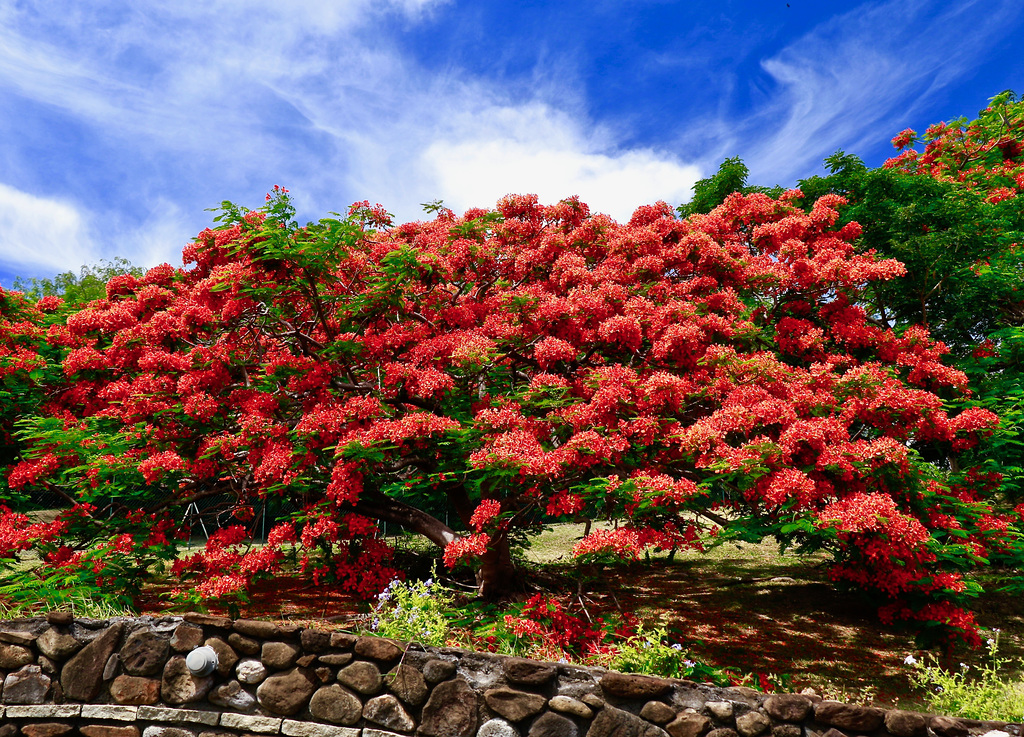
<point>156,731</point>
<point>249,723</point>
<point>144,653</point>
<point>377,648</point>
<point>612,722</point>
<point>948,727</point>
<point>110,711</point>
<point>721,710</point>
<point>752,724</point>
<point>592,700</point>
<point>135,690</point>
<point>788,707</point>
<point>186,637</point>
<point>279,655</point>
<point>181,716</point>
<point>250,671</point>
<point>15,656</point>
<point>104,730</point>
<point>286,692</point>
<point>58,645</point>
<point>437,670</point>
<point>257,628</point>
<point>688,724</point>
<point>208,620</point>
<point>293,728</point>
<point>179,686</point>
<point>658,712</point>
<point>315,641</point>
<point>787,730</point>
<point>550,724</point>
<point>17,637</point>
<point>112,666</point>
<point>46,729</point>
<point>497,728</point>
<point>361,676</point>
<point>243,644</point>
<point>336,704</point>
<point>81,677</point>
<point>626,686</point>
<point>528,672</point>
<point>450,711</point>
<point>855,718</point>
<point>343,640</point>
<point>569,705</point>
<point>232,696</point>
<point>27,685</point>
<point>905,723</point>
<point>408,684</point>
<point>388,711</point>
<point>44,711</point>
<point>335,658</point>
<point>514,705</point>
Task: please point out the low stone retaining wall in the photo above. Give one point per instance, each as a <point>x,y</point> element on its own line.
<point>130,678</point>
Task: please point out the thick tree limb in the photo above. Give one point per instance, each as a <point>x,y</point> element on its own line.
<point>384,508</point>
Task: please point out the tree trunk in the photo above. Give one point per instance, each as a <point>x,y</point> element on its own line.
<point>497,577</point>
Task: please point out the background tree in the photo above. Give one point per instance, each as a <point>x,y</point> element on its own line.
<point>77,289</point>
<point>711,192</point>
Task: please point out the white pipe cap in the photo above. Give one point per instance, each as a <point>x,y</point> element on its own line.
<point>202,661</point>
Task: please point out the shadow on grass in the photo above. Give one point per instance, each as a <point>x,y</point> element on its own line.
<point>782,615</point>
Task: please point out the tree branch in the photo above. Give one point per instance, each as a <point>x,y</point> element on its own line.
<point>381,507</point>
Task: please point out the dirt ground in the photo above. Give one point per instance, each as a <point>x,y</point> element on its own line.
<point>742,606</point>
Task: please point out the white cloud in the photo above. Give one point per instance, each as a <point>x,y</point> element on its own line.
<point>298,94</point>
<point>40,233</point>
<point>537,150</point>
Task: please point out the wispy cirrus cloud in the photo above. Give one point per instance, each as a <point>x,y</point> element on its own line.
<point>859,78</point>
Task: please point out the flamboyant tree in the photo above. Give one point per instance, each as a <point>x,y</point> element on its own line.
<point>711,376</point>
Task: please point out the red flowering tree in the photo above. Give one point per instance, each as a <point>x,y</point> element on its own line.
<point>698,377</point>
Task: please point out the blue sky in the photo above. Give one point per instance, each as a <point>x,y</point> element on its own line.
<point>122,122</point>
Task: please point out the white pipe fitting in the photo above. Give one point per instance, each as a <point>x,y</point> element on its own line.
<point>202,661</point>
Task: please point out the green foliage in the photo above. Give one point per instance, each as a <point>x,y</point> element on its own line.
<point>649,652</point>
<point>943,233</point>
<point>996,373</point>
<point>711,192</point>
<point>972,693</point>
<point>26,593</point>
<point>78,289</point>
<point>80,604</point>
<point>419,611</point>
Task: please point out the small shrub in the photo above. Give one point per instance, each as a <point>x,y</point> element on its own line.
<point>648,652</point>
<point>960,693</point>
<point>417,612</point>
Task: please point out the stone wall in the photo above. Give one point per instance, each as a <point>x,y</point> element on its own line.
<point>130,678</point>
